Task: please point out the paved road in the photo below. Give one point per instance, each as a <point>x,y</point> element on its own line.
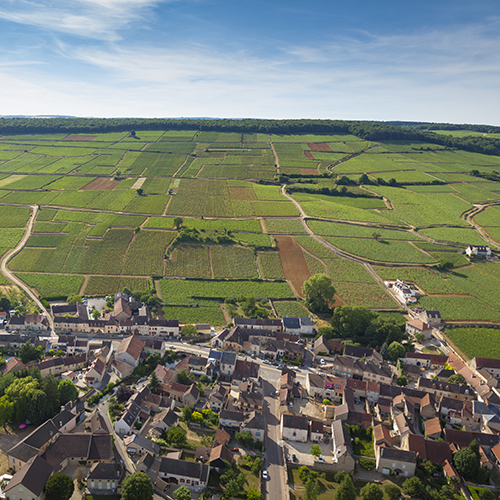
<point>275,487</point>
<point>4,270</point>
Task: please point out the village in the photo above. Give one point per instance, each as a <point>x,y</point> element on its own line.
<point>262,398</point>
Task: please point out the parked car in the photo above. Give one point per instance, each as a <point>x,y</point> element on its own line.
<point>320,459</point>
<point>327,440</point>
<point>264,475</point>
<point>322,361</point>
<point>235,449</point>
<point>294,458</point>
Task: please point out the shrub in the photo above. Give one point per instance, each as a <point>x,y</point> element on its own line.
<point>366,463</point>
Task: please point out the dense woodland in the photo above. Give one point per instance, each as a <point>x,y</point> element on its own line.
<point>371,131</point>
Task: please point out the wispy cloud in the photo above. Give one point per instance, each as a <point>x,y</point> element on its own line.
<point>99,19</point>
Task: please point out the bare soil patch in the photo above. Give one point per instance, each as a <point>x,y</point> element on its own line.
<point>308,171</point>
<point>293,262</point>
<point>320,146</point>
<point>309,155</point>
<point>242,193</point>
<point>101,184</point>
<point>80,138</point>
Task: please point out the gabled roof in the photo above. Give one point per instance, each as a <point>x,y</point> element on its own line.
<point>168,417</point>
<point>131,345</point>
<point>487,363</point>
<point>463,438</point>
<point>397,454</point>
<point>194,470</point>
<point>220,452</point>
<point>295,421</point>
<point>32,476</point>
<point>228,358</point>
<point>357,352</point>
<point>316,427</point>
<point>435,359</point>
<point>254,421</point>
<point>221,436</point>
<point>435,451</point>
<point>418,324</point>
<point>381,435</point>
<point>433,426</point>
<point>106,471</point>
<point>143,442</point>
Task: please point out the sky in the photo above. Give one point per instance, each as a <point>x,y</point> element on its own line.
<point>433,61</point>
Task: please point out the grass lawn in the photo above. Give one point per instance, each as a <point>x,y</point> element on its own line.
<point>195,436</point>
<point>253,480</point>
<point>363,447</point>
<point>432,350</point>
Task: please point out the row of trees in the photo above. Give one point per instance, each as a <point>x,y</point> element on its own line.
<point>371,131</point>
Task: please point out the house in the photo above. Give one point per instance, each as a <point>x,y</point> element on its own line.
<point>395,461</point>
<point>162,422</point>
<point>254,424</point>
<point>121,309</point>
<point>294,427</point>
<point>128,418</point>
<point>137,444</point>
<point>95,372</point>
<point>381,436</point>
<point>98,423</point>
<point>403,290</point>
<point>250,396</point>
<point>433,361</point>
<point>217,342</point>
<point>164,327</point>
<point>228,363</point>
<point>440,389</point>
<point>202,454</point>
<point>29,481</point>
<point>426,449</point>
<point>194,475</point>
<point>105,478</point>
<point>432,318</point>
<point>418,326</point>
<point>478,251</point>
<point>191,396</point>
<point>343,456</point>
<point>221,436</point>
<point>316,431</point>
<point>217,397</point>
<point>484,417</point>
<point>324,347</point>
<point>13,365</point>
<point>298,326</point>
<point>462,439</point>
<point>231,419</point>
<point>271,324</point>
<point>433,428</point>
<point>356,352</point>
<point>121,369</point>
<point>492,366</point>
<point>244,370</point>
<point>166,375</point>
<point>219,456</point>
<point>315,385</point>
<point>129,350</point>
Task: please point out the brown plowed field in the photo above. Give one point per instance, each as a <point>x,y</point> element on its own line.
<point>101,184</point>
<point>321,146</point>
<point>293,262</point>
<point>308,171</point>
<point>242,193</point>
<point>80,138</point>
<point>309,155</point>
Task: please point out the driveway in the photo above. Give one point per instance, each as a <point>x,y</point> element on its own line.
<point>303,452</point>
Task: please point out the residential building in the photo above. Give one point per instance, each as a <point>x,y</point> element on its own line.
<point>105,479</point>
<point>395,461</point>
<point>194,475</point>
<point>29,481</point>
<point>418,326</point>
<point>231,419</point>
<point>298,325</point>
<point>219,456</point>
<point>294,427</point>
<point>478,251</point>
<point>137,444</point>
<point>129,350</point>
<point>440,389</point>
<point>254,424</point>
<point>432,318</point>
<point>343,456</point>
<point>258,324</point>
<point>492,366</point>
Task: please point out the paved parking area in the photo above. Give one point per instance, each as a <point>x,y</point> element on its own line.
<point>303,452</point>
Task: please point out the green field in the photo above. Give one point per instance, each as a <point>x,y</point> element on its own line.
<point>228,183</point>
<point>481,342</point>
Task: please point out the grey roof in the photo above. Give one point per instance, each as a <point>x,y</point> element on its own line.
<point>106,471</point>
<point>23,451</point>
<point>357,352</point>
<point>33,476</point>
<point>42,434</point>
<point>143,442</point>
<point>214,354</point>
<point>293,323</point>
<point>341,441</point>
<point>228,358</point>
<point>232,415</point>
<point>396,454</point>
<point>194,470</point>
<point>62,418</point>
<point>254,421</point>
<point>295,421</point>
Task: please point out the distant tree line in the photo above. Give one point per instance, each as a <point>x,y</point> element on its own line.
<point>371,131</point>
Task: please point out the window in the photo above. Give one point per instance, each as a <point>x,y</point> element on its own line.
<point>404,466</point>
<point>92,484</point>
<point>394,464</point>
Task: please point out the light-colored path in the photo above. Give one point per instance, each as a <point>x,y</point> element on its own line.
<point>5,271</point>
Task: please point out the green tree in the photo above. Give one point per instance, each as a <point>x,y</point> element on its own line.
<point>319,292</point>
<point>312,489</point>
<point>414,488</point>
<point>392,491</point>
<point>182,493</point>
<point>5,304</point>
<point>189,331</point>
<point>139,191</point>
<point>353,321</point>
<point>185,378</point>
<point>59,487</point>
<point>254,495</point>
<point>485,494</point>
<point>6,410</point>
<point>67,391</point>
<point>384,351</point>
<point>303,473</point>
<point>396,351</point>
<point>39,407</point>
<point>315,450</point>
<point>457,378</point>
<point>245,438</point>
<point>177,437</point>
<point>232,488</point>
<point>376,236</point>
<point>402,381</point>
<point>346,490</point>
<point>96,314</point>
<point>187,414</point>
<point>419,337</point>
<point>178,222</point>
<point>153,384</point>
<point>137,486</point>
<point>467,463</point>
<point>74,299</point>
<point>29,352</point>
<point>371,491</point>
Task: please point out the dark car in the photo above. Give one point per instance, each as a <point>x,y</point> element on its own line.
<point>294,458</point>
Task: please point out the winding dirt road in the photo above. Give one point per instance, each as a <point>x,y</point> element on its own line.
<point>10,276</point>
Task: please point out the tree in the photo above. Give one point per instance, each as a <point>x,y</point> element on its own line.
<point>39,407</point>
<point>153,384</point>
<point>446,264</point>
<point>96,314</point>
<point>245,438</point>
<point>139,191</point>
<point>232,488</point>
<point>346,490</point>
<point>396,351</point>
<point>137,486</point>
<point>124,393</point>
<point>384,351</point>
<point>392,491</point>
<point>189,331</point>
<point>485,494</point>
<point>67,391</point>
<point>59,487</point>
<point>419,337</point>
<point>315,450</point>
<point>371,491</point>
<point>178,222</point>
<point>457,378</point>
<point>6,410</point>
<point>254,495</point>
<point>5,304</point>
<point>182,493</point>
<point>187,414</point>
<point>402,381</point>
<point>177,437</point>
<point>29,352</point>
<point>312,489</point>
<point>303,473</point>
<point>414,488</point>
<point>319,292</point>
<point>353,321</point>
<point>74,299</point>
<point>376,236</point>
<point>185,378</point>
<point>467,463</point>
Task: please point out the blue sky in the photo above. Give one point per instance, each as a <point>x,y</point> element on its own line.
<point>387,60</point>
